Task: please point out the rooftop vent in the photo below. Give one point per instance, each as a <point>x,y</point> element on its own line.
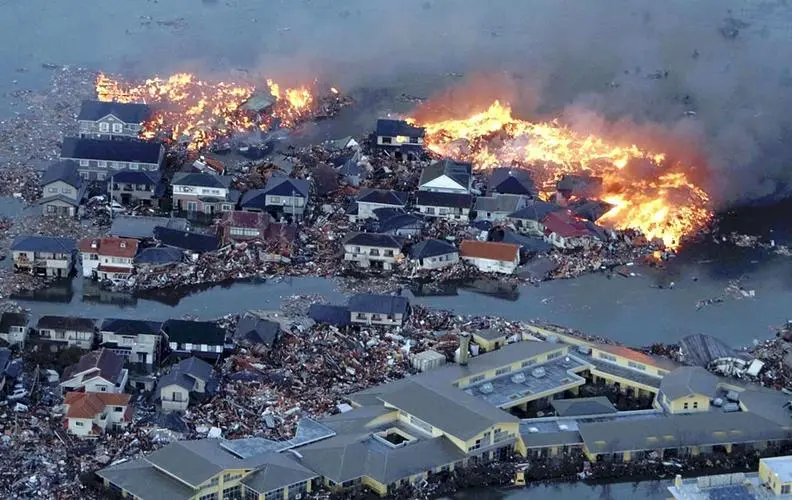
<point>584,349</point>
<point>486,388</point>
<point>717,402</point>
<point>733,396</point>
<point>539,372</point>
<point>518,378</point>
<point>533,430</point>
<point>94,244</point>
<point>563,427</point>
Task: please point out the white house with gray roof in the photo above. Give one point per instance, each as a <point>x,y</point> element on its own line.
<point>112,120</point>
<point>62,190</point>
<point>44,255</point>
<point>190,375</point>
<point>373,250</point>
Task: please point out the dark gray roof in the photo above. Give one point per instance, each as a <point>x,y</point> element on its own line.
<point>583,406</point>
<point>499,203</point>
<point>143,480</point>
<point>580,185</point>
<point>767,403</point>
<point>127,112</point>
<point>187,240</point>
<point>286,186</point>
<point>125,151</point>
<point>194,332</point>
<point>254,198</point>
<point>142,227</point>
<point>140,177</point>
<point>490,334</point>
<point>530,244</point>
<point>400,221</point>
<point>257,330</point>
<point>330,314</point>
<point>65,171</point>
<point>131,326</point>
<point>106,361</point>
<point>535,210</point>
<point>381,304</point>
<point>701,350</point>
<point>508,180</point>
<point>590,209</point>
<point>26,243</point>
<point>66,323</point>
<point>431,248</point>
<point>195,367</point>
<point>201,179</point>
<point>278,471</point>
<point>9,319</point>
<point>459,172</point>
<point>383,196</point>
<point>159,255</point>
<point>687,381</point>
<point>451,200</point>
<point>545,439</point>
<point>374,240</point>
<point>384,213</point>
<point>674,431</point>
<point>193,461</point>
<point>61,197</point>
<point>393,128</point>
<point>175,377</point>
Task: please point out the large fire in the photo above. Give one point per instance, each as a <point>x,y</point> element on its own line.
<point>648,192</point>
<point>197,112</point>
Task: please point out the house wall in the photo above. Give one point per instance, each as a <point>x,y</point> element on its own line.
<point>55,264</point>
<point>99,384</point>
<point>90,261</point>
<point>83,340</point>
<point>492,266</point>
<point>458,214</point>
<point>132,345</point>
<point>184,190</point>
<point>769,478</point>
<point>290,204</point>
<point>439,261</point>
<point>134,192</point>
<point>376,319</point>
<point>93,129</point>
<point>695,402</point>
<point>102,170</point>
<point>58,207</point>
<point>363,255</point>
<point>188,347</point>
<point>488,345</point>
<point>80,426</point>
<point>526,226</point>
<point>627,362</point>
<point>59,187</point>
<point>15,335</point>
<point>174,398</point>
<point>398,141</point>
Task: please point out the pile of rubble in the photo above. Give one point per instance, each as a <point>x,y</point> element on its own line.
<point>750,241</point>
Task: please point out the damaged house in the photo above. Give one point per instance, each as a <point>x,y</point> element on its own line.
<point>373,250</point>
<point>198,338</point>
<point>372,309</point>
<point>447,176</point>
<point>401,225</point>
<point>97,371</point>
<point>59,332</point>
<point>370,200</point>
<point>239,226</point>
<point>434,254</point>
<point>515,181</point>
<point>255,331</point>
<point>62,190</point>
<point>281,196</point>
<point>14,327</point>
<point>44,255</point>
<point>136,341</point>
<point>529,219</point>
<point>496,208</point>
<point>107,258</point>
<point>563,230</point>
<point>90,414</point>
<point>451,206</point>
<point>112,120</point>
<point>98,159</point>
<point>188,376</point>
<point>399,138</point>
<point>197,194</point>
<point>132,188</point>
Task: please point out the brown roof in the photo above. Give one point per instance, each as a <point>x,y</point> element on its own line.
<point>113,269</point>
<point>112,247</point>
<point>90,404</point>
<point>252,220</point>
<point>108,363</point>
<point>626,352</point>
<point>489,250</point>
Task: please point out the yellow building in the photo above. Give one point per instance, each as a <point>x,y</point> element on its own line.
<point>489,340</point>
<point>776,474</point>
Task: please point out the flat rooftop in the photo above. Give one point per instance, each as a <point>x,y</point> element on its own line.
<point>736,486</point>
<point>622,371</point>
<point>782,467</point>
<point>308,431</point>
<point>516,387</point>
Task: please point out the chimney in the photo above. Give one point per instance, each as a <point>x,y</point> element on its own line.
<point>464,348</point>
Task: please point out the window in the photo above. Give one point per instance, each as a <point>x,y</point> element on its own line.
<point>118,128</point>
<point>695,404</point>
<point>272,495</point>
<point>430,210</point>
<point>528,363</point>
<point>226,207</point>
<point>786,489</point>
<point>607,357</point>
<point>251,494</point>
<point>443,211</point>
<point>52,190</point>
<point>476,379</point>
<point>685,406</point>
<point>102,164</point>
<point>553,355</point>
<point>413,140</point>
<point>100,176</point>
<point>110,164</point>
<point>275,200</point>
<point>134,166</point>
<point>233,493</point>
<point>230,477</point>
<point>104,127</point>
<point>210,496</point>
<point>79,424</point>
<point>637,366</point>
<point>387,140</point>
<point>501,371</point>
<point>101,388</point>
<point>118,409</point>
<point>177,396</point>
<point>83,163</point>
<point>192,206</point>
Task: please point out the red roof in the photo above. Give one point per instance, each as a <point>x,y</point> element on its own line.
<point>505,252</point>
<point>565,225</point>
<point>111,247</point>
<point>252,220</point>
<point>90,404</point>
<point>626,352</point>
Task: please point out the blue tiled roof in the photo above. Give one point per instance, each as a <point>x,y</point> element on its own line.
<point>393,128</point>
<point>374,240</point>
<point>286,186</point>
<point>136,177</point>
<point>51,244</point>
<point>187,240</point>
<point>382,196</point>
<point>159,256</point>
<point>330,314</point>
<point>63,170</point>
<point>380,304</point>
<point>125,151</point>
<point>451,200</point>
<point>125,111</point>
<point>432,248</point>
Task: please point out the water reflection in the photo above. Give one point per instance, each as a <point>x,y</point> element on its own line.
<point>60,291</point>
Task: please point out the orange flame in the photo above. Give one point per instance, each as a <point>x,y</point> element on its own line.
<point>663,203</point>
<point>199,112</point>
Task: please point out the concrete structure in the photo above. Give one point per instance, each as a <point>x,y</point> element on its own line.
<point>112,120</point>
<point>133,188</point>
<point>776,474</point>
<point>201,338</point>
<point>99,159</point>
<point>136,341</point>
<point>190,375</point>
<point>14,327</point>
<point>490,257</point>
<point>434,254</point>
<point>107,258</point>
<point>90,414</point>
<point>373,250</point>
<point>62,190</point>
<point>97,371</point>
<point>489,340</point>
<point>58,332</point>
<point>371,309</point>
<point>202,193</point>
<point>44,255</point>
<point>370,200</point>
<point>428,360</point>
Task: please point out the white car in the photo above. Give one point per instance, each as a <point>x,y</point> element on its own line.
<point>19,393</point>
